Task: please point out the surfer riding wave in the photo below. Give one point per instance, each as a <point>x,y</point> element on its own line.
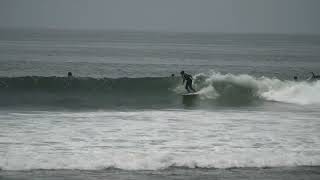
<point>188,78</point>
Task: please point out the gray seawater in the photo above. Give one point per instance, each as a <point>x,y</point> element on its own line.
<point>122,115</point>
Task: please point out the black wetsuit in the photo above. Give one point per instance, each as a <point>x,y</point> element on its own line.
<point>188,78</point>
<point>315,77</point>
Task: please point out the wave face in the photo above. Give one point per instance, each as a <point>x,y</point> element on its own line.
<point>86,92</point>
<point>214,89</point>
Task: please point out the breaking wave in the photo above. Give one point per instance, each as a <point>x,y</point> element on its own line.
<point>246,88</point>
<point>213,88</point>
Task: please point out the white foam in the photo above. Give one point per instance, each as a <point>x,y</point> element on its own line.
<point>155,160</point>
<point>150,140</point>
<point>208,92</point>
<point>302,93</point>
<point>294,92</point>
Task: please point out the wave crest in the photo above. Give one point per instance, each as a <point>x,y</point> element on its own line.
<point>245,88</point>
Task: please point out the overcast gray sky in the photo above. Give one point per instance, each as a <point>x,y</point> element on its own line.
<point>271,16</point>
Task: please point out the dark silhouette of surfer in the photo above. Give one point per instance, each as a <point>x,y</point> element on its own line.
<point>69,74</point>
<point>188,78</point>
<point>69,80</point>
<point>314,77</point>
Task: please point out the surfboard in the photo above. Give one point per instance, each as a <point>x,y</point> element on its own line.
<point>191,94</point>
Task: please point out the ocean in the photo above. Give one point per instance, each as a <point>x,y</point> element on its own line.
<point>122,114</point>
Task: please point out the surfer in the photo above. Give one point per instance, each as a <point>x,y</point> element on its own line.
<point>188,78</point>
<point>313,77</point>
<point>69,74</point>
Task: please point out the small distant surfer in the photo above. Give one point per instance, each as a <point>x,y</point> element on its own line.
<point>69,80</point>
<point>69,74</point>
<point>188,78</point>
<point>314,77</point>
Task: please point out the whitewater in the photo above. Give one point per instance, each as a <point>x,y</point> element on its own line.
<point>158,139</point>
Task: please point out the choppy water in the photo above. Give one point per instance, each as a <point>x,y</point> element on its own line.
<point>123,110</point>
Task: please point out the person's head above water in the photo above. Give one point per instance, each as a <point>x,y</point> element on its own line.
<point>69,74</point>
